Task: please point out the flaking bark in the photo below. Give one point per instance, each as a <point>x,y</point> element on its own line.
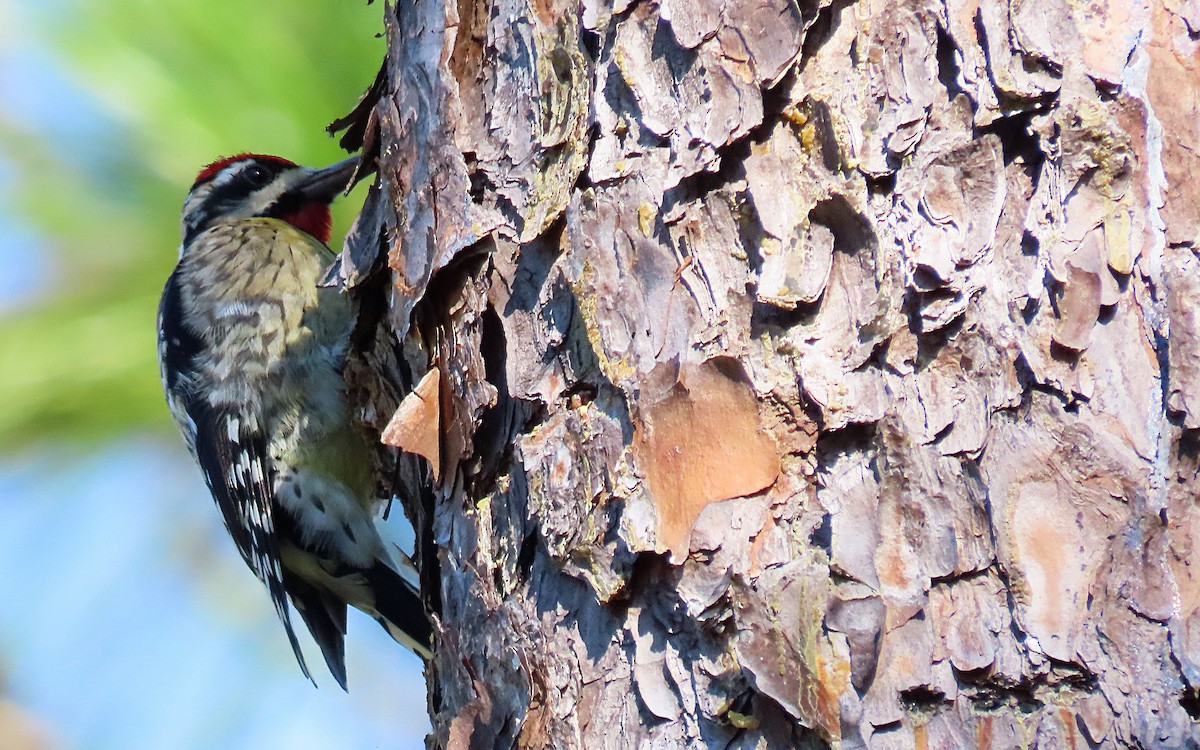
<point>806,375</point>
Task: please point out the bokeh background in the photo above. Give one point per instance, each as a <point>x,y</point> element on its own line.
<point>127,620</point>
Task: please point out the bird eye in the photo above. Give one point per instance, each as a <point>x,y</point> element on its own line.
<point>256,176</point>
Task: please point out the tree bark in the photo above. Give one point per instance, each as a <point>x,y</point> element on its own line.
<point>793,375</point>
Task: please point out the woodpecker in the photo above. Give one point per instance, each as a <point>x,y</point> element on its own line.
<point>252,354</point>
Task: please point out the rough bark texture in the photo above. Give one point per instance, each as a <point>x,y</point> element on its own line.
<point>797,375</point>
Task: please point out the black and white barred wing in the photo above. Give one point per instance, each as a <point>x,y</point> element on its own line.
<point>229,443</point>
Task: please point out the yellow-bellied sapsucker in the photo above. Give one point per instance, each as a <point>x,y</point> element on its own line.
<point>252,354</point>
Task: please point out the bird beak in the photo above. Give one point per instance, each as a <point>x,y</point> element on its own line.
<point>325,184</point>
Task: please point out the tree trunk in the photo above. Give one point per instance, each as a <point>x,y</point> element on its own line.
<point>793,375</point>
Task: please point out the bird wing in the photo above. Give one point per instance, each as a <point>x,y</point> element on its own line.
<point>229,443</point>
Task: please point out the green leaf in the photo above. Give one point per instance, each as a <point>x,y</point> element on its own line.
<point>180,83</point>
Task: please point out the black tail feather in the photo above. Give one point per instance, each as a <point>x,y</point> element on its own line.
<point>325,616</point>
<point>398,602</point>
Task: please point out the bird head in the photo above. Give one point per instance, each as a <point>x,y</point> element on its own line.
<point>248,185</point>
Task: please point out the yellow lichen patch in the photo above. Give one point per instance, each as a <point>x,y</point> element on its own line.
<point>742,721</point>
<point>646,214</point>
<point>794,116</point>
<point>617,370</point>
<point>808,136</point>
<point>1117,233</point>
<point>830,676</point>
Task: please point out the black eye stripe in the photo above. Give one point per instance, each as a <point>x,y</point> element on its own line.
<point>244,182</point>
<point>238,172</point>
<point>234,186</point>
<point>256,175</point>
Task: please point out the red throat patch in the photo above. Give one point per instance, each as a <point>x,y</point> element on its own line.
<point>313,218</point>
<point>216,166</point>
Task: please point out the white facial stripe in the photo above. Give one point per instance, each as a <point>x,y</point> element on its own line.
<point>230,173</point>
<point>255,204</point>
<point>264,198</point>
<point>192,206</point>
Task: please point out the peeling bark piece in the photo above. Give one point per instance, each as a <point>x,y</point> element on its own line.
<point>423,174</point>
<point>1079,307</point>
<point>849,491</point>
<point>798,273</point>
<point>905,664</point>
<point>692,21</point>
<point>451,318</point>
<point>650,76</point>
<point>855,397</point>
<point>763,653</point>
<point>781,646</point>
<point>652,680</point>
<point>925,534</point>
<point>942,198</point>
<point>416,425</point>
<point>796,250</point>
<point>1048,508</point>
<point>1118,241</point>
<point>1094,718</point>
<point>688,463</point>
<point>699,100</point>
<point>1043,30</point>
<point>1108,38</point>
<point>900,55</point>
<point>1094,186</point>
<point>837,342</point>
<point>954,408</point>
<point>933,261</point>
<point>971,59</point>
<point>1173,91</point>
<point>1061,34</point>
<point>530,121</point>
<point>1183,308</point>
<point>969,616</point>
<point>569,461</point>
<point>1141,574</point>
<point>725,530</point>
<point>363,246</point>
<point>713,272</point>
<point>1013,73</point>
<point>965,190</point>
<point>529,286</point>
<point>862,622</point>
<point>771,31</point>
<point>634,312</point>
<point>357,122</point>
<point>962,195</point>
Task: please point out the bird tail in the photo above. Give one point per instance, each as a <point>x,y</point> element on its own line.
<point>325,615</point>
<point>379,591</point>
<point>399,609</point>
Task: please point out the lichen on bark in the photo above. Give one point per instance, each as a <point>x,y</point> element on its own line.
<point>808,374</point>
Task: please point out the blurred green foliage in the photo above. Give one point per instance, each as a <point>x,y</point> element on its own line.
<point>183,82</point>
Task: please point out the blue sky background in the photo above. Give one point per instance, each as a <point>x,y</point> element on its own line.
<point>130,622</point>
<point>127,620</point>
